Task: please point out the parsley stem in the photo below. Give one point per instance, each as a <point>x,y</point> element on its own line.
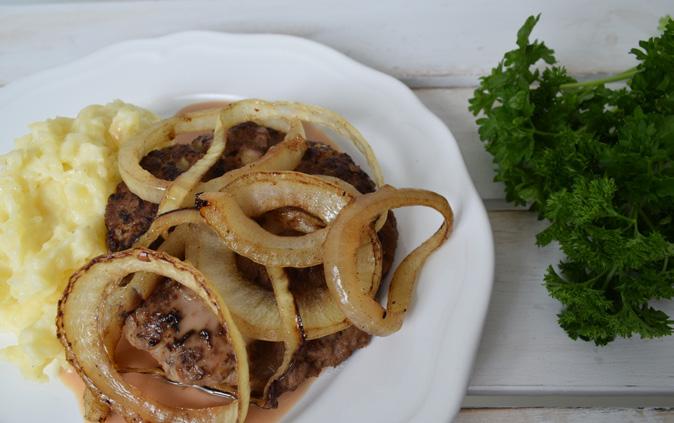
<point>665,263</point>
<point>609,276</point>
<point>613,78</point>
<point>544,133</point>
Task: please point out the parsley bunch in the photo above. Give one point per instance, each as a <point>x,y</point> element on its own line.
<point>598,164</point>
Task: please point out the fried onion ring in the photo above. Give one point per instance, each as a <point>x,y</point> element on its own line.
<point>229,213</point>
<point>80,334</point>
<point>340,258</point>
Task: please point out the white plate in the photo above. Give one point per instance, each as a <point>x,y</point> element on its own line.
<point>418,374</point>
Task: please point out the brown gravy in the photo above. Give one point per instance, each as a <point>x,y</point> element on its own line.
<point>154,388</point>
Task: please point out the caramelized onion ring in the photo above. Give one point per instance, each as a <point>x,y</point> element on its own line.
<point>327,118</point>
<point>229,213</point>
<point>152,189</point>
<point>162,223</point>
<point>286,155</point>
<point>287,110</point>
<point>79,333</point>
<point>140,181</point>
<point>254,307</point>
<point>340,258</point>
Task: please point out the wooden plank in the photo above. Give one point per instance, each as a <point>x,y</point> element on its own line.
<point>564,415</point>
<point>524,351</point>
<point>451,106</point>
<point>424,43</point>
<point>570,400</point>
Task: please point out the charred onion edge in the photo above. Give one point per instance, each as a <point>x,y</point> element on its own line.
<point>78,332</point>
<point>340,258</point>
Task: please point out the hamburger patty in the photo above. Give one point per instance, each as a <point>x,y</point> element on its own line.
<point>170,323</point>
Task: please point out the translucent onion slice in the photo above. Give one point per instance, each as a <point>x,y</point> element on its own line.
<point>162,223</point>
<point>306,113</point>
<point>283,156</point>
<point>149,188</point>
<point>179,190</point>
<point>341,247</point>
<point>291,328</point>
<point>381,220</point>
<point>140,181</point>
<point>253,194</point>
<point>254,307</point>
<point>95,410</point>
<point>78,313</point>
<point>327,118</point>
<point>286,155</point>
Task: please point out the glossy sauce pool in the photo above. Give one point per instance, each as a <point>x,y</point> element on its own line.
<point>154,388</point>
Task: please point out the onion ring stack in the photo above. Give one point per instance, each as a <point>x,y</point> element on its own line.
<point>335,226</point>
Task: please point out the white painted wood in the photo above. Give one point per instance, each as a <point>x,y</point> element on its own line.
<point>525,352</point>
<point>568,400</point>
<point>569,415</point>
<point>451,105</point>
<point>424,43</point>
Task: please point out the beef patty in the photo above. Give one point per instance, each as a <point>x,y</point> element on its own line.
<point>171,324</point>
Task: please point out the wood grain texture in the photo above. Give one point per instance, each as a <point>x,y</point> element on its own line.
<point>424,43</point>
<point>524,351</point>
<point>451,106</point>
<point>569,415</point>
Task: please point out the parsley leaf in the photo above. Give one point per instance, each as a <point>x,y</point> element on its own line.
<point>598,164</point>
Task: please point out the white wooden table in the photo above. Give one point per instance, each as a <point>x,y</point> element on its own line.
<point>526,368</point>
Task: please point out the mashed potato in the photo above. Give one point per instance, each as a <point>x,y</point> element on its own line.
<point>53,190</point>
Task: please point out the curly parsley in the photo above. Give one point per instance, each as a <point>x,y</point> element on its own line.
<point>598,164</point>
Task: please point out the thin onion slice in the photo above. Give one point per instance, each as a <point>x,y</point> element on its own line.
<point>324,117</point>
<point>283,156</point>
<point>341,255</point>
<point>254,307</point>
<point>152,189</point>
<point>286,155</point>
<point>95,409</point>
<point>125,297</point>
<point>291,328</point>
<point>77,329</point>
<point>253,194</point>
<point>162,223</point>
<point>140,181</point>
<point>181,187</point>
<point>307,113</point>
